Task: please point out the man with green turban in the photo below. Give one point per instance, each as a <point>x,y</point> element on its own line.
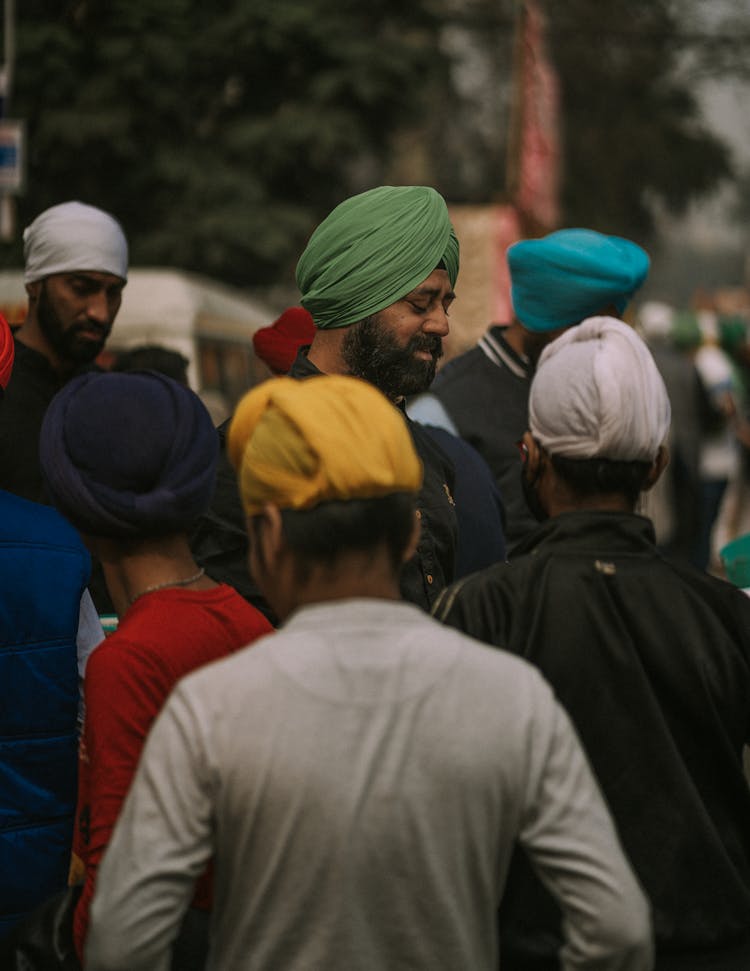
<point>377,275</point>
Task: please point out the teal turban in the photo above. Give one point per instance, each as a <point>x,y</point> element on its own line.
<point>372,250</point>
<point>573,274</point>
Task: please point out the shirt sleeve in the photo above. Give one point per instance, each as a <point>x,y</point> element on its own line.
<point>571,841</point>
<point>162,842</point>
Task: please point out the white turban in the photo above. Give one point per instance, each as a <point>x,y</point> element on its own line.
<point>74,237</point>
<point>598,393</point>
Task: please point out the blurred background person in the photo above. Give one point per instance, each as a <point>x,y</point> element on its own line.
<point>76,266</point>
<point>153,357</point>
<point>278,344</point>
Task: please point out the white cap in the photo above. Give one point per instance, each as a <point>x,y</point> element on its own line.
<point>597,393</point>
<point>74,237</point>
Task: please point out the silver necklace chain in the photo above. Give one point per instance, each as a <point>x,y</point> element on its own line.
<point>169,583</point>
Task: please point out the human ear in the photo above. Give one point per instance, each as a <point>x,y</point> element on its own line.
<point>657,467</point>
<point>265,531</point>
<point>411,546</point>
<point>533,461</point>
<point>33,289</point>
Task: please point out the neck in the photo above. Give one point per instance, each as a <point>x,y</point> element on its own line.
<point>603,502</point>
<point>514,336</point>
<point>325,351</point>
<point>132,567</point>
<point>353,575</point>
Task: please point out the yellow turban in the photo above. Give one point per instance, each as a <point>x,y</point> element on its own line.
<point>298,443</point>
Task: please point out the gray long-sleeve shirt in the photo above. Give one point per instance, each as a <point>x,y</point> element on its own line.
<point>360,779</point>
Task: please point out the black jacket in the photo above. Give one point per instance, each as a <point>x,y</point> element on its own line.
<point>652,661</point>
<point>219,541</point>
<point>33,384</point>
<point>486,394</point>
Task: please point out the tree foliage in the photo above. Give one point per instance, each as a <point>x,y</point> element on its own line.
<point>633,133</point>
<point>218,133</point>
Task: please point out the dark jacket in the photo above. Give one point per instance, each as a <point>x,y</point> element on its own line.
<point>33,384</point>
<point>479,507</point>
<point>219,540</point>
<point>652,661</point>
<point>486,394</point>
<point>44,569</point>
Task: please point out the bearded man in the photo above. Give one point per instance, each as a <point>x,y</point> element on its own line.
<point>377,276</point>
<point>76,265</point>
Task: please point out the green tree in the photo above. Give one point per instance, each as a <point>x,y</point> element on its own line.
<point>633,132</point>
<point>218,133</point>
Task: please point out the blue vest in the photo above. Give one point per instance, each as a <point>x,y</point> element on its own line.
<point>44,569</point>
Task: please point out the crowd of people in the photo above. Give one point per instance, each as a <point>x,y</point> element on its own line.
<point>401,676</point>
<point>704,358</point>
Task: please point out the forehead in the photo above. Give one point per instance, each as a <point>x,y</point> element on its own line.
<point>94,277</point>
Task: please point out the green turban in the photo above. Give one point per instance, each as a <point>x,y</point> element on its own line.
<point>372,250</point>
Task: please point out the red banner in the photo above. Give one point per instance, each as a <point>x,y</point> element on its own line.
<point>538,185</point>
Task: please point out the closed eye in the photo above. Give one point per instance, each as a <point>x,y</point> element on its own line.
<point>417,308</point>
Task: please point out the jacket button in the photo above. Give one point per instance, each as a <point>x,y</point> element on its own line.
<point>430,578</point>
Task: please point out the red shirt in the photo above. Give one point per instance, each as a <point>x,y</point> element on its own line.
<point>163,636</point>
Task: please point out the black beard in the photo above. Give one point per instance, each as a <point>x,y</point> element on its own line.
<point>65,343</point>
<point>371,353</point>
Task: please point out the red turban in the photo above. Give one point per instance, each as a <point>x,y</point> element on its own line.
<point>7,352</point>
<point>278,343</point>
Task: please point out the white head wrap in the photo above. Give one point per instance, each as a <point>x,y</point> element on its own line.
<point>598,393</point>
<point>74,237</point>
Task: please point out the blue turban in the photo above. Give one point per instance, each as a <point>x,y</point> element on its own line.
<point>573,274</point>
<point>373,249</point>
<point>127,454</point>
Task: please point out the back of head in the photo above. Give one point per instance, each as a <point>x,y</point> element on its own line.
<point>571,274</point>
<point>296,444</point>
<point>74,237</point>
<point>277,345</point>
<point>128,454</point>
<point>333,449</point>
<point>153,357</point>
<point>372,250</point>
<point>597,393</point>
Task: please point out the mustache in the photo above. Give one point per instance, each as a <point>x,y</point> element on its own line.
<point>427,342</point>
<point>91,327</point>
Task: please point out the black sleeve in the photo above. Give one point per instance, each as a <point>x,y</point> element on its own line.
<point>218,539</point>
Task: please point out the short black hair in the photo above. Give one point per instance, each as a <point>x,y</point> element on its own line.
<point>153,357</point>
<point>600,476</point>
<point>319,535</point>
